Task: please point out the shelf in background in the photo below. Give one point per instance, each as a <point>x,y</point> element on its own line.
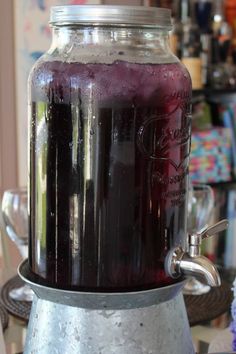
<point>225,184</point>
<point>216,95</point>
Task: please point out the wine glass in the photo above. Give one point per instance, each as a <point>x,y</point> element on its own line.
<point>15,220</point>
<point>200,207</point>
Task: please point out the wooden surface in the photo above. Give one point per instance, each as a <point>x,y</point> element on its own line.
<point>8,143</point>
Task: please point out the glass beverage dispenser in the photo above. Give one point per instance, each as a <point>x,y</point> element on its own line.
<point>110,131</point>
<point>109,152</point>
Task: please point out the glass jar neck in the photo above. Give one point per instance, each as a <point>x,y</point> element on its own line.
<point>96,42</point>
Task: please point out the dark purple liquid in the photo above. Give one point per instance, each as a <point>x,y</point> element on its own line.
<point>108,173</point>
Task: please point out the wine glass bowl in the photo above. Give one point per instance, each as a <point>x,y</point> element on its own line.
<point>200,208</point>
<point>15,217</point>
<point>15,221</point>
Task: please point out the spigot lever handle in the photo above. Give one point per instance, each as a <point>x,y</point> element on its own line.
<point>214,229</point>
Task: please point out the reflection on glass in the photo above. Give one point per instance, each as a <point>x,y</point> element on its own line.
<point>15,217</point>
<point>200,207</point>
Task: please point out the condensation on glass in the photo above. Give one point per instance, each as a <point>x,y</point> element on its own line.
<point>109,150</point>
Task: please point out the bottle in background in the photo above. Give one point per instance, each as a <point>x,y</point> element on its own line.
<point>203,12</point>
<point>191,45</point>
<point>221,73</point>
<point>221,29</point>
<point>177,32</point>
<point>217,77</point>
<point>230,15</point>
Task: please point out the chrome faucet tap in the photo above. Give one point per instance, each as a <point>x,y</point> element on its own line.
<point>191,263</point>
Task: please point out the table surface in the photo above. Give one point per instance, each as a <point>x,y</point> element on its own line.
<point>15,333</point>
<point>221,343</point>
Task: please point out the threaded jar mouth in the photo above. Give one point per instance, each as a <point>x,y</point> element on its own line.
<point>108,15</point>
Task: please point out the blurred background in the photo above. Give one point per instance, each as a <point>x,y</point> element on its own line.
<point>204,39</point>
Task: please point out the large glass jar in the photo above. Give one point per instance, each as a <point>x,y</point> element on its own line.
<point>109,150</point>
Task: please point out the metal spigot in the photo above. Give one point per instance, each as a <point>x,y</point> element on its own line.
<point>191,263</point>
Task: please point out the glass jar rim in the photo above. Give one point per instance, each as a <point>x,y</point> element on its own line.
<point>110,15</point>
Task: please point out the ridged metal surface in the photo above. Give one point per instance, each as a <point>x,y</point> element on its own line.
<point>113,15</point>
